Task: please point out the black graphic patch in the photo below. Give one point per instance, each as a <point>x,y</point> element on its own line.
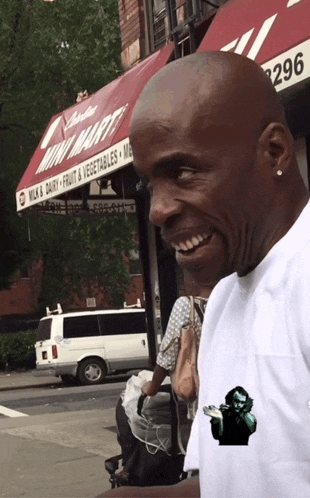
<point>232,423</point>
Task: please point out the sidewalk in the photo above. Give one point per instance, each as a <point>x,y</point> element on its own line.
<point>58,455</point>
<point>67,449</point>
<point>25,380</point>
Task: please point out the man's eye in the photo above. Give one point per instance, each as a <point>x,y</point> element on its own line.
<point>183,174</point>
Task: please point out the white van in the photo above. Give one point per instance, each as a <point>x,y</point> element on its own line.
<point>88,345</point>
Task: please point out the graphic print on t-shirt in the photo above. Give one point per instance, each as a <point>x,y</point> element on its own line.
<point>232,423</point>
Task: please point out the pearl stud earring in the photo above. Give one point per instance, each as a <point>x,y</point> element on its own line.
<point>279,172</point>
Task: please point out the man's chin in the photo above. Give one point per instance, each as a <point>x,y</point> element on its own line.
<point>205,266</point>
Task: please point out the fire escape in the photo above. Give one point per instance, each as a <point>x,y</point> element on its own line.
<point>183,18</point>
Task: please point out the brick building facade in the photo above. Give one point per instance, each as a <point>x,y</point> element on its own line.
<point>22,298</point>
<point>132,26</point>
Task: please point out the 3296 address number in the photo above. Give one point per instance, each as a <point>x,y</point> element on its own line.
<point>286,70</point>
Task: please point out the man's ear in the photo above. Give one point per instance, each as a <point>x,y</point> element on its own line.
<point>277,146</point>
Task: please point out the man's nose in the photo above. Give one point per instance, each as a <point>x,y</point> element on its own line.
<point>163,206</point>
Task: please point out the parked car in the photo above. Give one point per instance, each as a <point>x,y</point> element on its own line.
<point>88,345</point>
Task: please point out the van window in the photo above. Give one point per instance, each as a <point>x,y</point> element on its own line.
<point>123,323</point>
<point>80,326</point>
<point>44,330</point>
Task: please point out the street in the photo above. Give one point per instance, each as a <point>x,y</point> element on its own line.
<point>62,398</point>
<point>54,440</point>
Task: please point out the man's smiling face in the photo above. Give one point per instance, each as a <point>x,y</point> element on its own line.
<point>205,139</point>
<point>199,180</point>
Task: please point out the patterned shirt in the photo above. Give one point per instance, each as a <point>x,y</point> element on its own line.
<point>179,317</point>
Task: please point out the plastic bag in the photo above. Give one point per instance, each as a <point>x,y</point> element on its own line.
<point>153,427</point>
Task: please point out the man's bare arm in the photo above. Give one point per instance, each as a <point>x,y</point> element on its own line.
<point>189,488</point>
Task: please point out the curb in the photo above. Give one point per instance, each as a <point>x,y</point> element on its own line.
<point>30,386</point>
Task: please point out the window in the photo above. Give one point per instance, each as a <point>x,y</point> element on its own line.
<point>91,302</point>
<point>81,326</point>
<point>135,265</point>
<point>178,19</point>
<point>123,323</point>
<point>158,23</point>
<point>208,6</point>
<point>44,330</point>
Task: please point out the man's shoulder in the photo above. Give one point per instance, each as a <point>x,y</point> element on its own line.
<point>296,280</point>
<point>225,285</point>
<point>222,291</point>
<point>298,267</point>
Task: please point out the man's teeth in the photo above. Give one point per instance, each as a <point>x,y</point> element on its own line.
<point>187,245</point>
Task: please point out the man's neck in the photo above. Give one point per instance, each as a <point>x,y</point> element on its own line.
<point>276,227</point>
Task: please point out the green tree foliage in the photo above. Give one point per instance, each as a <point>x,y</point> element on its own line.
<point>84,252</point>
<point>17,350</point>
<point>48,53</point>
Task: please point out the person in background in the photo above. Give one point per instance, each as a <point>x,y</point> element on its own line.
<point>200,288</point>
<point>169,348</point>
<point>217,156</point>
<point>166,361</point>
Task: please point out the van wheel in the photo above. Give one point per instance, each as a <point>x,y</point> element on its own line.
<point>92,371</point>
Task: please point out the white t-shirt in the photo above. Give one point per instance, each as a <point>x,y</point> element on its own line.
<point>256,334</point>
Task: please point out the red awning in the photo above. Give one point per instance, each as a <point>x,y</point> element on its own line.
<point>275,33</point>
<point>89,140</point>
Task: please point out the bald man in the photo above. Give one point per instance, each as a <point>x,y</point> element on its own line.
<point>210,140</point>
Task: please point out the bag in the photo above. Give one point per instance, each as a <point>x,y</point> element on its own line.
<point>184,378</point>
<point>153,425</point>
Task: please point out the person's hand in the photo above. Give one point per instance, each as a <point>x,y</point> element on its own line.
<point>223,408</point>
<point>150,389</point>
<point>248,405</point>
<point>213,412</point>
